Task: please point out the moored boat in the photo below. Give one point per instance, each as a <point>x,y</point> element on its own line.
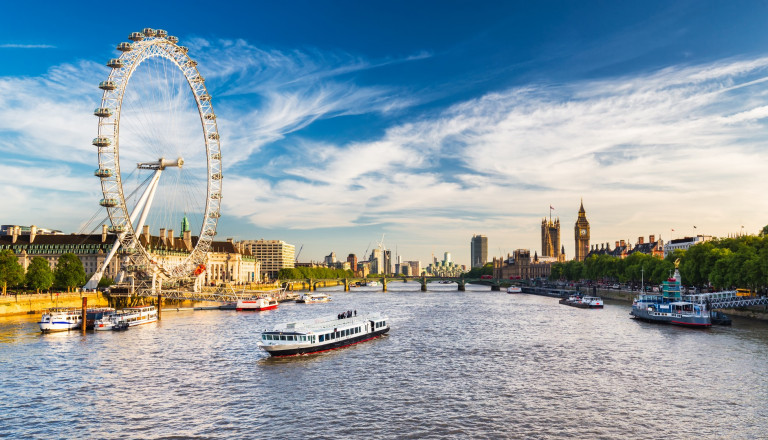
<point>58,319</point>
<point>321,334</point>
<point>264,303</point>
<point>514,289</point>
<point>310,298</point>
<point>97,314</point>
<point>138,315</point>
<point>670,307</point>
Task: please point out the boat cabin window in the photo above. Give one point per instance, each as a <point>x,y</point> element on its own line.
<point>282,337</point>
<point>322,338</point>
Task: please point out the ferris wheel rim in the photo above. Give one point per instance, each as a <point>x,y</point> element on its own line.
<point>150,44</point>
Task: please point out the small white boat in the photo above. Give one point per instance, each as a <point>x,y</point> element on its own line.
<point>259,304</point>
<point>311,298</point>
<point>514,289</point>
<point>372,284</point>
<point>59,319</point>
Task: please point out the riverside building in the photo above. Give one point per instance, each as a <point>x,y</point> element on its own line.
<point>479,250</point>
<point>273,255</point>
<point>226,262</point>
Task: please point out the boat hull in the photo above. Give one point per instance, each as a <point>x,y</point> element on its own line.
<point>50,327</point>
<point>671,318</point>
<point>276,351</point>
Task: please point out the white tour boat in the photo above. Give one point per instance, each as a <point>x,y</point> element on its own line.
<point>321,334</point>
<point>310,298</point>
<point>514,289</point>
<point>60,319</point>
<point>138,315</point>
<point>372,284</point>
<point>263,303</point>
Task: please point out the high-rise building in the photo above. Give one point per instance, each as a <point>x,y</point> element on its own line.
<point>550,237</point>
<point>479,250</point>
<point>352,260</point>
<point>273,254</point>
<point>581,234</point>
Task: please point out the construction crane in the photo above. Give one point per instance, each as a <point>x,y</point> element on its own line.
<point>381,243</point>
<point>299,253</point>
<point>365,254</point>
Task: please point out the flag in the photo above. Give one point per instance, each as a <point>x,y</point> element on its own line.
<point>694,226</point>
<point>550,207</point>
<point>673,230</point>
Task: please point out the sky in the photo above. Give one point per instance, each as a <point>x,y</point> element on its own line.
<point>424,123</point>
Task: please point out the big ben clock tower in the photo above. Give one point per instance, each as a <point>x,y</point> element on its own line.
<point>581,231</point>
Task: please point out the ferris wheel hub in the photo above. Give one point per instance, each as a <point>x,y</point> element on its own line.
<point>161,164</point>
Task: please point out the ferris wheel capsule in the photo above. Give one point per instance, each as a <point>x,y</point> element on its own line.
<point>172,39</point>
<point>161,33</point>
<point>136,36</point>
<point>107,85</point>
<point>103,112</point>
<point>149,32</point>
<point>115,63</point>
<point>124,47</point>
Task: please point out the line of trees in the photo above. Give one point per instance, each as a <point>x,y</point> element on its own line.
<point>477,272</point>
<point>68,274</point>
<point>303,273</point>
<point>726,263</point>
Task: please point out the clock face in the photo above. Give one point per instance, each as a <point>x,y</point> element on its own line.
<point>583,232</point>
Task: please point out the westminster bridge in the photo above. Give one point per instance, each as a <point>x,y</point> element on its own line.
<point>312,284</point>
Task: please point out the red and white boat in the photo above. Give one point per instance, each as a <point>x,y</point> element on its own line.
<point>264,303</point>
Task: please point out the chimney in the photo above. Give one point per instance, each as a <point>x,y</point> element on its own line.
<point>651,238</point>
<point>641,240</point>
<point>162,237</point>
<point>145,233</point>
<point>230,240</point>
<point>188,240</point>
<point>617,244</point>
<point>32,233</point>
<point>103,233</point>
<point>15,234</point>
<point>171,238</point>
<point>622,242</point>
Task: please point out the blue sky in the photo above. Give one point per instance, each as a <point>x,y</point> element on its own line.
<point>424,121</point>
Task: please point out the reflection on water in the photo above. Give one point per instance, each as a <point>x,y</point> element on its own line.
<point>473,364</point>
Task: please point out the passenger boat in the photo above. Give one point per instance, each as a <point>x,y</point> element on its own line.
<point>514,289</point>
<point>60,319</point>
<point>138,315</point>
<point>310,298</point>
<point>670,307</point>
<point>97,314</point>
<point>372,284</point>
<point>321,334</point>
<point>264,303</point>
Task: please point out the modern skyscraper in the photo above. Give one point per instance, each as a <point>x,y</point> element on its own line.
<point>479,250</point>
<point>581,233</point>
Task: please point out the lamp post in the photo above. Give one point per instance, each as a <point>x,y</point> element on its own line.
<point>642,279</point>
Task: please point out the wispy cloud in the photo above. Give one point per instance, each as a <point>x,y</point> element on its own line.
<point>628,145</point>
<point>26,46</point>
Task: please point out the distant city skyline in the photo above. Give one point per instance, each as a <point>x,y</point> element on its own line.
<point>428,122</point>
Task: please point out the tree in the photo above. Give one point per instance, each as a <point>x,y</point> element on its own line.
<point>106,282</point>
<point>69,272</point>
<point>11,272</point>
<point>39,275</point>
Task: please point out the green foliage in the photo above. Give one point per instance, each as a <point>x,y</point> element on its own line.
<point>477,272</point>
<point>69,272</point>
<point>11,272</point>
<point>39,275</point>
<point>106,282</point>
<point>724,263</point>
<point>315,273</point>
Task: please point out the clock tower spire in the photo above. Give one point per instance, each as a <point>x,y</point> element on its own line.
<point>581,232</point>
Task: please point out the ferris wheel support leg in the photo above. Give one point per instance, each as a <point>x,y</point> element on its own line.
<point>150,193</point>
<point>142,206</point>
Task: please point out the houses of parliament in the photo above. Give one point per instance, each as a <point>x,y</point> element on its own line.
<point>552,249</point>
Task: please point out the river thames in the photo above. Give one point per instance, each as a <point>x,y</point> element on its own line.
<point>475,364</point>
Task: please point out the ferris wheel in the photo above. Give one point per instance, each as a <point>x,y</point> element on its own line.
<point>158,169</point>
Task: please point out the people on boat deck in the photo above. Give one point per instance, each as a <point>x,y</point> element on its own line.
<point>347,314</point>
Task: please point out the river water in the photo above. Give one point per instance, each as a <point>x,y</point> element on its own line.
<point>475,364</point>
